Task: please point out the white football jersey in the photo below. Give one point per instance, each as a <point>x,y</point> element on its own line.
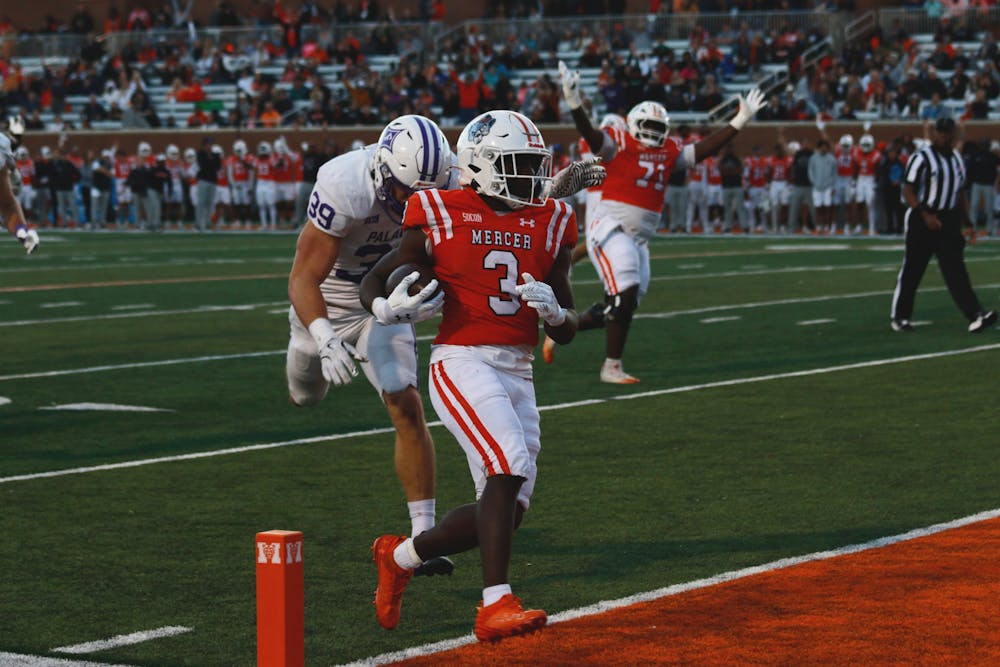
<point>6,152</point>
<point>343,204</point>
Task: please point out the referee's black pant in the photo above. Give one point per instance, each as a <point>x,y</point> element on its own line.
<point>948,244</point>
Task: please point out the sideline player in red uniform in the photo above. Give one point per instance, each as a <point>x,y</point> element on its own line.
<point>867,159</point>
<point>488,242</point>
<point>638,163</point>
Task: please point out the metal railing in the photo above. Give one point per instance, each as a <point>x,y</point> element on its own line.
<point>412,37</point>
<point>861,27</point>
<point>917,20</point>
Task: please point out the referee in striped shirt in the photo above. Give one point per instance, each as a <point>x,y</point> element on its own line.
<point>937,210</point>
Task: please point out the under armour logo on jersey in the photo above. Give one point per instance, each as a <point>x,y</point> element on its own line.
<point>527,222</point>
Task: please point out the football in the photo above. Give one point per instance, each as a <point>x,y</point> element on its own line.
<point>396,277</point>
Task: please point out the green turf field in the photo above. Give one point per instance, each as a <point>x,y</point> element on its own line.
<point>778,415</point>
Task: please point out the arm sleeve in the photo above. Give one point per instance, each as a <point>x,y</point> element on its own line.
<point>686,159</point>
<point>609,147</point>
<point>914,170</point>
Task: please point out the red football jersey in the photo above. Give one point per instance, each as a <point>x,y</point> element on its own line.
<point>867,162</point>
<point>123,167</point>
<point>845,162</point>
<point>27,170</point>
<point>637,175</point>
<point>239,168</point>
<point>283,168</point>
<point>712,169</point>
<point>479,256</point>
<point>780,167</point>
<point>264,166</point>
<point>757,171</point>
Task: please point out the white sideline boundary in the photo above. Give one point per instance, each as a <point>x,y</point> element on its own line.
<point>676,589</point>
<point>544,408</point>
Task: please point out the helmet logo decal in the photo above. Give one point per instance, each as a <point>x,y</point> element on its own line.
<point>479,130</point>
<point>389,136</point>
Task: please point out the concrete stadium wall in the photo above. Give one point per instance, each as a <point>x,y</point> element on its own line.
<point>762,134</point>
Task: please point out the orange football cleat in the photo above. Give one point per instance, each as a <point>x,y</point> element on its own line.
<point>392,580</point>
<point>506,618</point>
<point>548,350</point>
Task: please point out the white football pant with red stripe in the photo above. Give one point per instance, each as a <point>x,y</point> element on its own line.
<point>485,396</point>
<point>621,262</point>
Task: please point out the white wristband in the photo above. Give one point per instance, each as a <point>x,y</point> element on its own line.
<point>381,310</point>
<point>557,319</point>
<point>321,331</point>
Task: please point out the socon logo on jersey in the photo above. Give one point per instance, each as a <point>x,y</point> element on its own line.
<point>479,130</point>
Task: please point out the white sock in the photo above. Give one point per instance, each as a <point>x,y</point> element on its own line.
<point>492,594</point>
<point>612,363</point>
<point>406,556</point>
<point>421,515</point>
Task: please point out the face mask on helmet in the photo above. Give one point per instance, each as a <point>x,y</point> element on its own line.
<point>502,155</point>
<point>648,123</point>
<point>412,154</point>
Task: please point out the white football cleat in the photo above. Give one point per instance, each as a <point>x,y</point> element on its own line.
<point>613,373</point>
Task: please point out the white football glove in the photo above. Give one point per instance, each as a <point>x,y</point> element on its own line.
<point>336,355</point>
<point>571,86</point>
<point>749,107</point>
<point>577,176</point>
<point>401,307</point>
<point>539,295</point>
<point>28,238</point>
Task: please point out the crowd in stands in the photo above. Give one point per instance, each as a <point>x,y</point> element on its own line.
<point>359,64</point>
<point>277,71</point>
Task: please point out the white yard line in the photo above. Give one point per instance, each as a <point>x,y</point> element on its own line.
<point>545,408</point>
<point>134,306</point>
<point>676,589</point>
<point>148,313</point>
<point>124,640</point>
<point>148,364</point>
<point>61,304</point>
<point>724,318</point>
<point>18,660</point>
<point>809,323</point>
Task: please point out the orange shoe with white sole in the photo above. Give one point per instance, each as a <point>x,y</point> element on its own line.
<point>507,618</point>
<point>392,580</point>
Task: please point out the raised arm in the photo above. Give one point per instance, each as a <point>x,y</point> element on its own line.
<point>594,137</point>
<point>749,107</point>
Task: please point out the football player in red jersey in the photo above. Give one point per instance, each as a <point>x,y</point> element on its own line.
<point>491,243</point>
<point>780,165</point>
<point>867,159</point>
<point>638,163</point>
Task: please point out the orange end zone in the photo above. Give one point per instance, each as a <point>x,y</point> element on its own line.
<point>931,600</point>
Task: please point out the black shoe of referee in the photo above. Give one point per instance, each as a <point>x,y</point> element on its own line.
<point>987,319</point>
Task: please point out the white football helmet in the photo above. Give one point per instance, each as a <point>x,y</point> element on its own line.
<point>264,148</point>
<point>173,152</point>
<point>280,145</point>
<point>217,149</point>
<point>615,121</point>
<point>190,155</point>
<point>846,142</point>
<point>794,147</point>
<point>46,152</point>
<point>412,154</point>
<point>22,153</point>
<point>649,124</point>
<point>239,148</point>
<point>502,154</point>
<point>867,143</point>
<point>145,150</point>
